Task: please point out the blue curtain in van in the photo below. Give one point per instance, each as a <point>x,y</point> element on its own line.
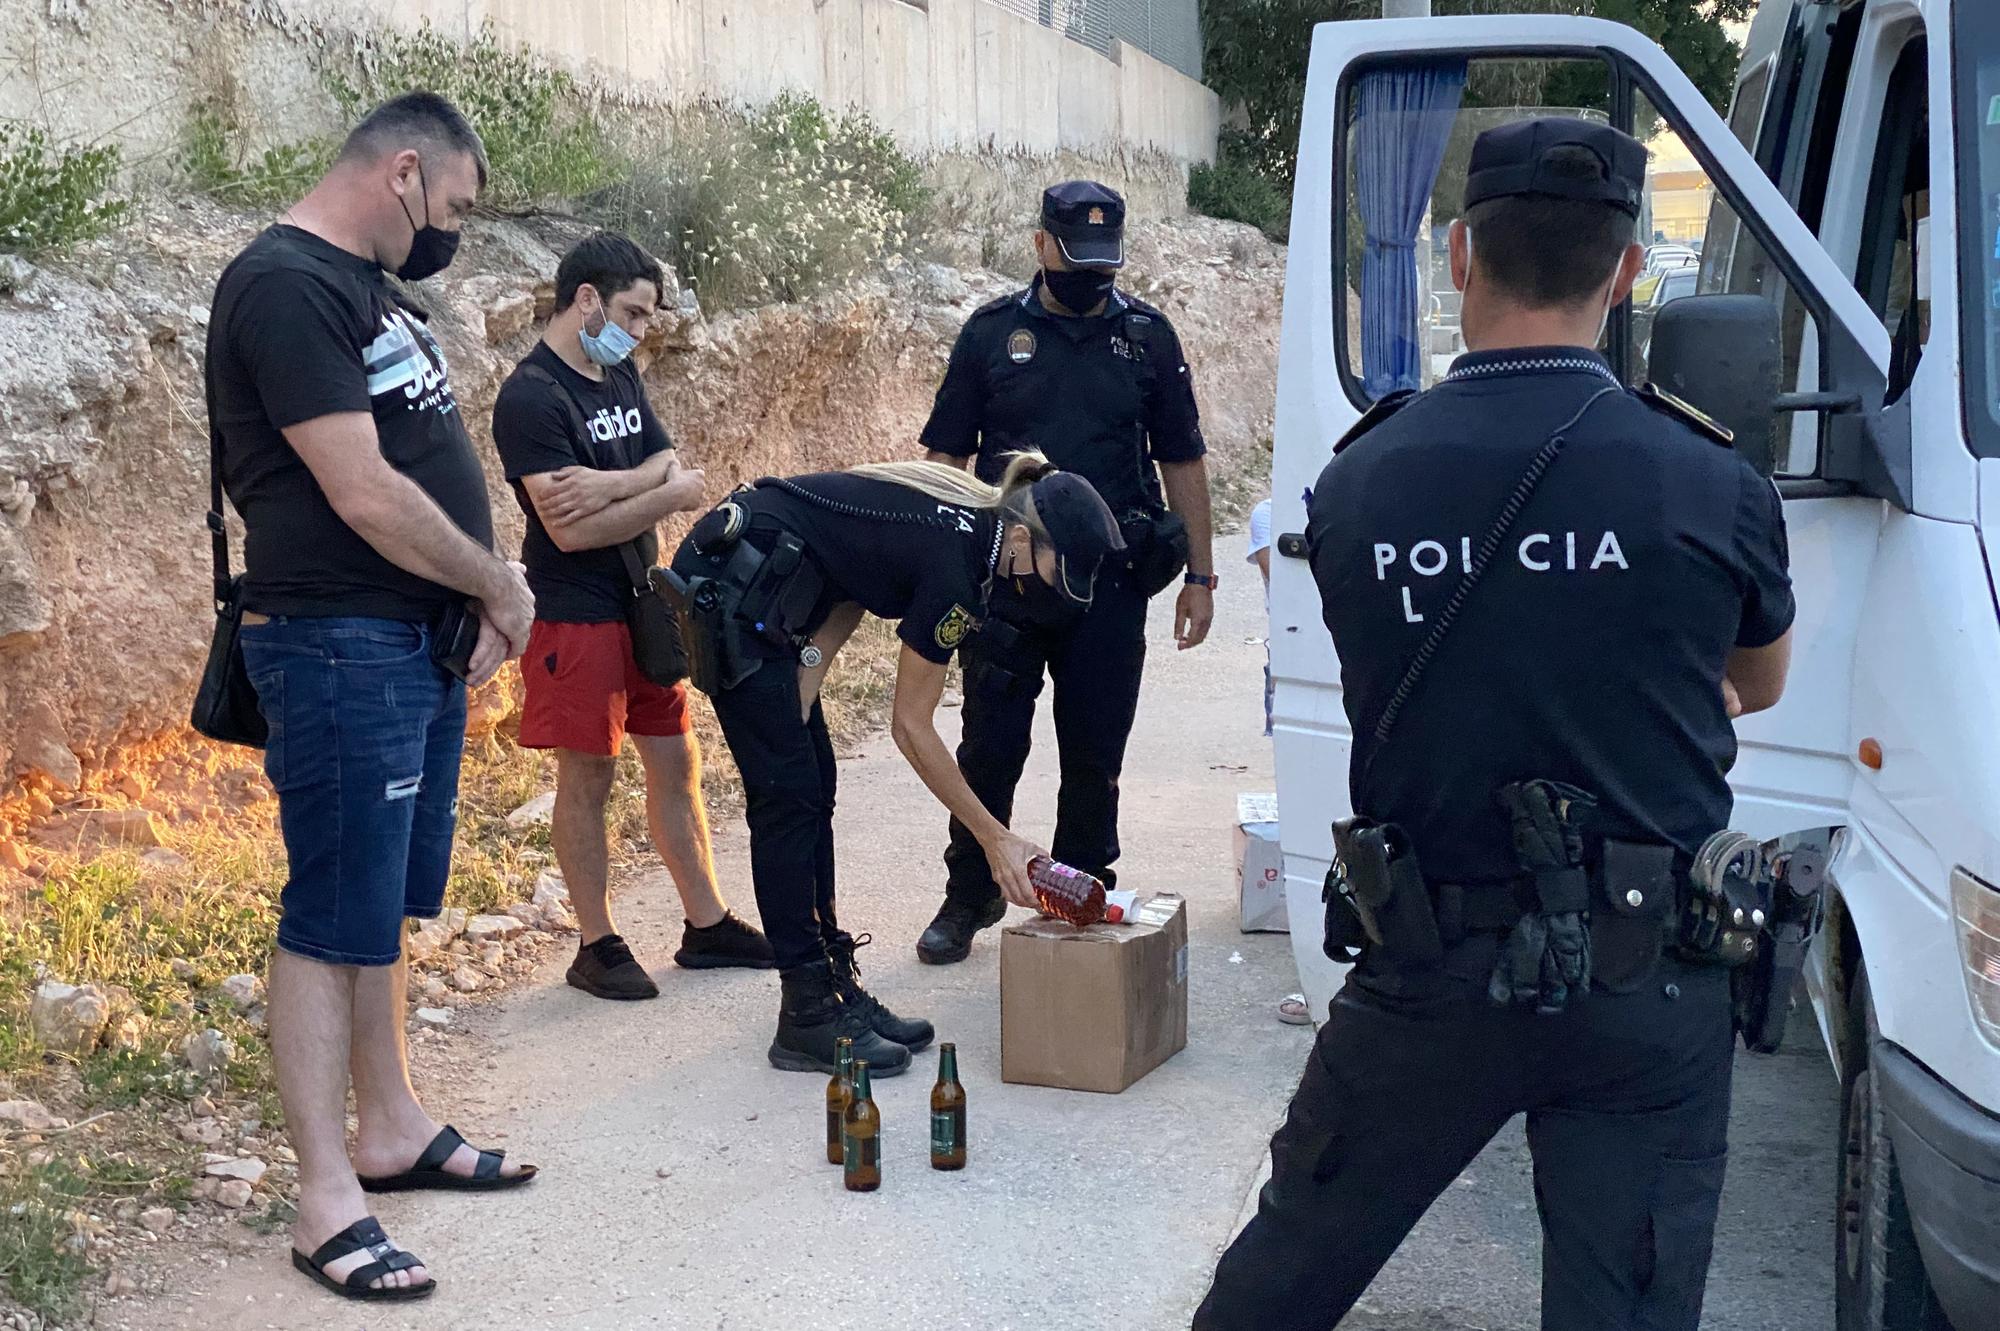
<point>1403,119</point>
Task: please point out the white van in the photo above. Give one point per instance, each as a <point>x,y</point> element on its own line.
<point>1847,325</point>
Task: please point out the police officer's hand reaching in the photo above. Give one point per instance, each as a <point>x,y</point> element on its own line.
<point>1008,856</point>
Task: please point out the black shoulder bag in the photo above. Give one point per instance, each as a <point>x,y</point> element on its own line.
<point>656,635</point>
<point>225,703</point>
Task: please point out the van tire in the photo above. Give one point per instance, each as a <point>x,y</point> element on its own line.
<point>1879,1278</point>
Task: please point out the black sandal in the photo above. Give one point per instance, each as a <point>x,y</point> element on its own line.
<point>430,1175</point>
<point>364,1235</point>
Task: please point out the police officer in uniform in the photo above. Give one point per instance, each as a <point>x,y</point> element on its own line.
<point>1540,746</point>
<point>770,585</point>
<point>1095,379</point>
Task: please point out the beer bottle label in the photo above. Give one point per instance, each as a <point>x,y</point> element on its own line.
<point>860,1153</point>
<point>944,1132</point>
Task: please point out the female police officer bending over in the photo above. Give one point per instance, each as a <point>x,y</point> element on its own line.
<point>771,584</point>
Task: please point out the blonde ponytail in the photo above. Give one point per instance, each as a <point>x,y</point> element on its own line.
<point>953,485</point>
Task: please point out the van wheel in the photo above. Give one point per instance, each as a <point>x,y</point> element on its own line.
<point>1879,1279</point>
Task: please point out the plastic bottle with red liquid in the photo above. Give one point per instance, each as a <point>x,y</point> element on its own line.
<point>1066,893</point>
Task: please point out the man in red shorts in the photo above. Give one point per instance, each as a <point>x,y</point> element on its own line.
<point>594,471</point>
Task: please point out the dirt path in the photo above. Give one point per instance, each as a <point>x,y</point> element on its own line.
<point>684,1183</point>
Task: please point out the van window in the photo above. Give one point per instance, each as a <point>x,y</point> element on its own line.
<point>1978,75</point>
<point>1893,264</point>
<point>1410,125</point>
<point>1732,260</point>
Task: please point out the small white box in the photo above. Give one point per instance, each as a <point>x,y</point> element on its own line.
<point>1260,865</point>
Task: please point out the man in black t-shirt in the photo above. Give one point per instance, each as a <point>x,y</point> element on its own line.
<point>1549,732</point>
<point>1095,379</point>
<point>594,472</point>
<point>342,446</point>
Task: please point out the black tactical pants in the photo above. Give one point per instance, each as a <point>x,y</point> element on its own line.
<point>788,790</point>
<point>1095,666</point>
<point>1627,1099</point>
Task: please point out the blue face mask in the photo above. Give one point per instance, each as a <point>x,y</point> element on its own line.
<point>609,345</point>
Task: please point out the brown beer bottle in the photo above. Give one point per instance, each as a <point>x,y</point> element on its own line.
<point>838,1088</point>
<point>947,1113</point>
<point>861,1136</point>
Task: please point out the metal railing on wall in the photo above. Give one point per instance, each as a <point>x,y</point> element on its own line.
<point>1167,30</point>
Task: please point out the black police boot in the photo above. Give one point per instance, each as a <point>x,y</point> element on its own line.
<point>913,1033</point>
<point>811,1017</point>
<point>949,937</point>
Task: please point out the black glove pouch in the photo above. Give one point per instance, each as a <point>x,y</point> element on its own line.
<point>1637,892</point>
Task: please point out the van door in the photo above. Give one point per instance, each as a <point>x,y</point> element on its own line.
<point>1391,109</point>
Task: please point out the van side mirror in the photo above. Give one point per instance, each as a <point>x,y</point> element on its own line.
<point>1724,356</point>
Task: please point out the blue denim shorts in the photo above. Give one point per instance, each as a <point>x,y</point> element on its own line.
<point>366,736</point>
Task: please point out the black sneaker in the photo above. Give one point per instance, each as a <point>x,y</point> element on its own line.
<point>606,969</point>
<point>730,941</point>
<point>949,938</point>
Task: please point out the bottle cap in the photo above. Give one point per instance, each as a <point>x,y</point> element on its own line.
<point>1114,915</point>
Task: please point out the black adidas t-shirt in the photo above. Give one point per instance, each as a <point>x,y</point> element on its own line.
<point>302,329</point>
<point>535,428</point>
<point>1593,650</point>
<point>896,552</point>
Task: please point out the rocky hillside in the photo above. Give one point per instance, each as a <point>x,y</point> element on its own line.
<point>103,437</point>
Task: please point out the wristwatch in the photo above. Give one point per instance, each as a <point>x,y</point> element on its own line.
<point>1208,580</point>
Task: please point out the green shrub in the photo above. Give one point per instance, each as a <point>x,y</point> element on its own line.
<point>213,158</point>
<point>1236,191</point>
<point>543,142</point>
<point>50,197</point>
<point>774,207</point>
<point>40,1267</point>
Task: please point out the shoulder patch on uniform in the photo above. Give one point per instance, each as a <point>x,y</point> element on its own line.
<point>1375,415</point>
<point>1660,400</point>
<point>951,630</point>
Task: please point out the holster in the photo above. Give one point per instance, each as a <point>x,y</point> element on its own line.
<point>1761,993</point>
<point>1378,886</point>
<point>1000,660</point>
<point>1156,547</point>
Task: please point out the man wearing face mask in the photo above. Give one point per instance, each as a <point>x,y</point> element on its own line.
<point>1094,379</point>
<point>337,437</point>
<point>1549,594</point>
<point>594,472</point>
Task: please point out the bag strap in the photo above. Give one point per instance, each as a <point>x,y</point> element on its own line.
<point>1510,513</point>
<point>628,551</point>
<point>218,528</point>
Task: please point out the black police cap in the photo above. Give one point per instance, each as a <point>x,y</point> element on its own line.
<point>1514,159</point>
<point>1088,221</point>
<point>1080,527</point>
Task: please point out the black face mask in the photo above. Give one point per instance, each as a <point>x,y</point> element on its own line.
<point>431,247</point>
<point>1080,290</point>
<point>1027,599</point>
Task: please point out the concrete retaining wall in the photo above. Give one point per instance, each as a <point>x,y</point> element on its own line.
<point>945,76</point>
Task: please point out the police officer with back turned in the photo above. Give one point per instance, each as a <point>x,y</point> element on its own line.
<point>1550,595</point>
<point>1095,379</point>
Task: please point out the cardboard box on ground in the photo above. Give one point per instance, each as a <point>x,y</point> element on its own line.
<point>1260,866</point>
<point>1094,1009</point>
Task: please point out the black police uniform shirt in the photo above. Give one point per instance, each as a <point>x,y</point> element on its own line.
<point>1593,650</point>
<point>302,329</point>
<point>1105,396</point>
<point>535,429</point>
<point>931,576</point>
